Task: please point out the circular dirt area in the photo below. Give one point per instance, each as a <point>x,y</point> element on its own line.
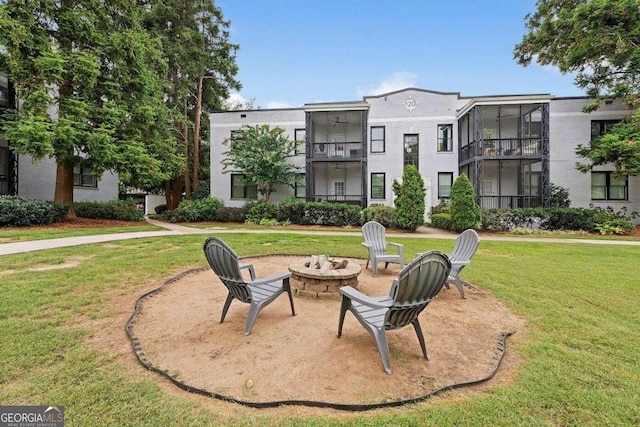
<point>176,330</point>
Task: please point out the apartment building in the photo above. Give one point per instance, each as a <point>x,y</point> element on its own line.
<point>20,175</point>
<point>512,148</point>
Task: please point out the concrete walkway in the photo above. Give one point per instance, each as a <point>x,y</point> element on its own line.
<point>177,230</point>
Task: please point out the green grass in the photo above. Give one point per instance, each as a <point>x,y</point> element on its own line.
<point>11,235</point>
<point>580,363</point>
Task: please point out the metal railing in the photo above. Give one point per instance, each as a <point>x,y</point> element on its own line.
<point>337,150</point>
<point>502,147</point>
<point>350,199</point>
<point>509,202</point>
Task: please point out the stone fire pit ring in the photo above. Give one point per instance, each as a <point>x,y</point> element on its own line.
<point>311,282</point>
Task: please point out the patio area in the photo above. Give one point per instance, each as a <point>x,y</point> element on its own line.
<point>175,330</point>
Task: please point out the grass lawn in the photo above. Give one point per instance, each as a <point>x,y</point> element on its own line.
<point>580,363</point>
<point>12,235</point>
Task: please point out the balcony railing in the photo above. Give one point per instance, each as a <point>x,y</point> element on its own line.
<point>337,150</point>
<point>509,202</point>
<point>502,147</point>
<point>350,199</point>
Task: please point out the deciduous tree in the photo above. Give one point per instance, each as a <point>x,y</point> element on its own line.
<point>261,153</point>
<point>600,41</point>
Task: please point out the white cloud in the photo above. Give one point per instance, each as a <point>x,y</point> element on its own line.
<point>398,80</point>
<point>235,101</point>
<point>280,104</point>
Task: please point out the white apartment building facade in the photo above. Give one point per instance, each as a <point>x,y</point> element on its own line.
<point>21,176</point>
<point>512,148</point>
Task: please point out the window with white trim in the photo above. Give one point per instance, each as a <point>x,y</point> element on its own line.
<point>606,186</point>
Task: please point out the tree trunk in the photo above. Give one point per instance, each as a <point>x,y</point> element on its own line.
<point>64,186</point>
<point>187,171</point>
<point>196,135</point>
<point>173,192</point>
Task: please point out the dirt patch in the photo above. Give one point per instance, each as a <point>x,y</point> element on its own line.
<point>300,358</point>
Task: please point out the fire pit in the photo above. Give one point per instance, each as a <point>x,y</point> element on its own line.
<point>323,278</point>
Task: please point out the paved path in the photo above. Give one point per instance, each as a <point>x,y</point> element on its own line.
<point>176,230</point>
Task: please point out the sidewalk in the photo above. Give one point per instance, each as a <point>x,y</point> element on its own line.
<point>177,230</point>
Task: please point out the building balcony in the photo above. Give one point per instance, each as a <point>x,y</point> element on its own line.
<point>502,148</point>
<point>509,202</point>
<point>336,151</point>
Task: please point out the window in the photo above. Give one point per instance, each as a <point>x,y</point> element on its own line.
<point>241,189</point>
<point>600,127</point>
<point>445,137</point>
<point>606,186</point>
<point>411,150</point>
<point>4,170</point>
<point>300,186</point>
<point>445,181</point>
<point>377,139</point>
<point>377,186</point>
<point>84,177</point>
<point>300,136</point>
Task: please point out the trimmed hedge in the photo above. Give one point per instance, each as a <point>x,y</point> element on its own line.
<point>385,215</point>
<point>231,214</point>
<point>124,210</point>
<point>604,221</point>
<point>18,211</point>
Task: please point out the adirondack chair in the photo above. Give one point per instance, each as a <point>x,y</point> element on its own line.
<point>375,241</point>
<point>466,246</point>
<point>415,287</point>
<point>258,292</point>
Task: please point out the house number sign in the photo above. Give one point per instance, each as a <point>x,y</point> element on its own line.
<point>410,104</point>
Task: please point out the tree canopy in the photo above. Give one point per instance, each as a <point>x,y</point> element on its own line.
<point>261,153</point>
<point>201,72</point>
<point>600,41</point>
<point>90,82</point>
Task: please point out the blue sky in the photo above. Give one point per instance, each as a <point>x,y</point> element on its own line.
<point>294,52</point>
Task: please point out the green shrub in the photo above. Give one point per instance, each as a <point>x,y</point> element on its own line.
<point>443,206</point>
<point>570,219</point>
<point>18,211</point>
<point>124,210</point>
<point>616,226</point>
<point>291,209</point>
<point>325,213</point>
<point>385,215</point>
<point>231,214</point>
<point>559,197</point>
<point>409,199</point>
<point>202,190</point>
<point>441,220</point>
<point>465,212</point>
<point>196,210</point>
<point>260,210</point>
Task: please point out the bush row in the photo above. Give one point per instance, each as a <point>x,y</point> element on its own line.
<point>124,210</point>
<point>604,221</point>
<point>17,211</point>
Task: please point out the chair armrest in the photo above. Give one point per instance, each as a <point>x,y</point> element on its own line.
<point>400,248</point>
<point>248,266</point>
<point>461,262</point>
<point>273,278</point>
<point>353,294</point>
<point>366,245</point>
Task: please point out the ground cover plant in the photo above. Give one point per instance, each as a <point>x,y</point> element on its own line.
<point>579,362</point>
